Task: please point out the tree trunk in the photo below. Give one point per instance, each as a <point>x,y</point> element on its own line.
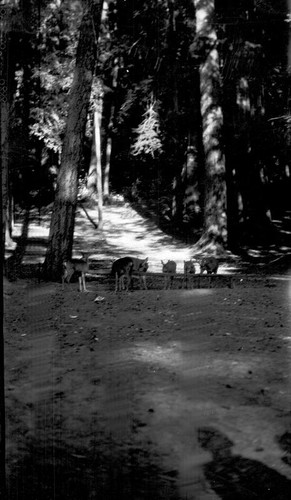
<point>7,75</point>
<point>191,173</point>
<point>107,168</point>
<point>4,179</point>
<point>92,179</point>
<point>4,148</point>
<point>97,129</point>
<point>4,170</point>
<point>60,242</point>
<point>214,209</point>
<point>289,39</point>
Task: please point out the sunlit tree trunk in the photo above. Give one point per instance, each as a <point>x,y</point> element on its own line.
<point>63,217</point>
<point>107,168</point>
<point>214,209</point>
<point>191,173</point>
<point>91,179</point>
<point>97,132</point>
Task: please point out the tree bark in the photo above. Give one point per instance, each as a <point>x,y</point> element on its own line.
<point>4,179</point>
<point>214,209</point>
<point>97,130</point>
<point>7,74</point>
<point>289,39</point>
<point>4,147</point>
<point>91,179</point>
<point>106,175</point>
<point>60,242</point>
<point>191,173</point>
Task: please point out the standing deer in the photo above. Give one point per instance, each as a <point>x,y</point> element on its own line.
<point>76,266</point>
<point>189,269</point>
<point>169,270</point>
<point>121,269</point>
<point>209,264</point>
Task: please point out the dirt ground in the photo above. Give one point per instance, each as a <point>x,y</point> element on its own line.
<point>152,394</point>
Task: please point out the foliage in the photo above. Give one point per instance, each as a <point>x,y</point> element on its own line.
<point>57,40</point>
<point>148,140</point>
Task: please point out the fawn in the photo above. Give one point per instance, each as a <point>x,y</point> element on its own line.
<point>76,266</point>
<point>209,264</point>
<point>189,269</point>
<point>169,270</point>
<point>122,268</point>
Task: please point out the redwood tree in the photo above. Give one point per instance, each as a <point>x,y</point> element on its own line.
<point>214,209</point>
<point>60,242</point>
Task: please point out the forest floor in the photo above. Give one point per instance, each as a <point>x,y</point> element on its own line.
<point>152,394</point>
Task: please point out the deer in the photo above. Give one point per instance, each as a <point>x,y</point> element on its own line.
<point>76,266</point>
<point>169,270</point>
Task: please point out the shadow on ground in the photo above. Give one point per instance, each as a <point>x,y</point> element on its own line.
<point>234,477</point>
<point>61,473</point>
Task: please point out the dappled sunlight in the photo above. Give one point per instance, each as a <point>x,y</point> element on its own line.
<point>190,365</point>
<point>196,292</point>
<point>141,237</point>
<point>35,230</point>
<point>126,232</point>
<point>165,356</point>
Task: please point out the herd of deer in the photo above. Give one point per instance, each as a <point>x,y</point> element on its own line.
<point>125,268</point>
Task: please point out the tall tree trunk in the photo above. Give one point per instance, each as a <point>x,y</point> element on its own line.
<point>7,76</point>
<point>4,173</point>
<point>289,66</point>
<point>289,39</point>
<point>4,147</point>
<point>92,179</point>
<point>97,130</point>
<point>106,175</point>
<point>215,226</point>
<point>4,181</point>
<point>60,243</point>
<point>191,173</point>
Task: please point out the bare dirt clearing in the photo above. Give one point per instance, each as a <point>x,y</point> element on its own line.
<point>179,394</point>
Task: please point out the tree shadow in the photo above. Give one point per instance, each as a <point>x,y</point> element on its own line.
<point>100,473</point>
<point>180,232</point>
<point>94,224</point>
<point>284,442</point>
<point>235,477</point>
<point>261,248</point>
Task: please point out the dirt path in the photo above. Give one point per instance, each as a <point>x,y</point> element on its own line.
<point>182,394</point>
<point>124,232</point>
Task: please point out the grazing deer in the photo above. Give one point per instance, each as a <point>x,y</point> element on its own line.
<point>169,270</point>
<point>140,267</point>
<point>209,264</point>
<point>76,266</point>
<point>122,268</point>
<point>189,269</point>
